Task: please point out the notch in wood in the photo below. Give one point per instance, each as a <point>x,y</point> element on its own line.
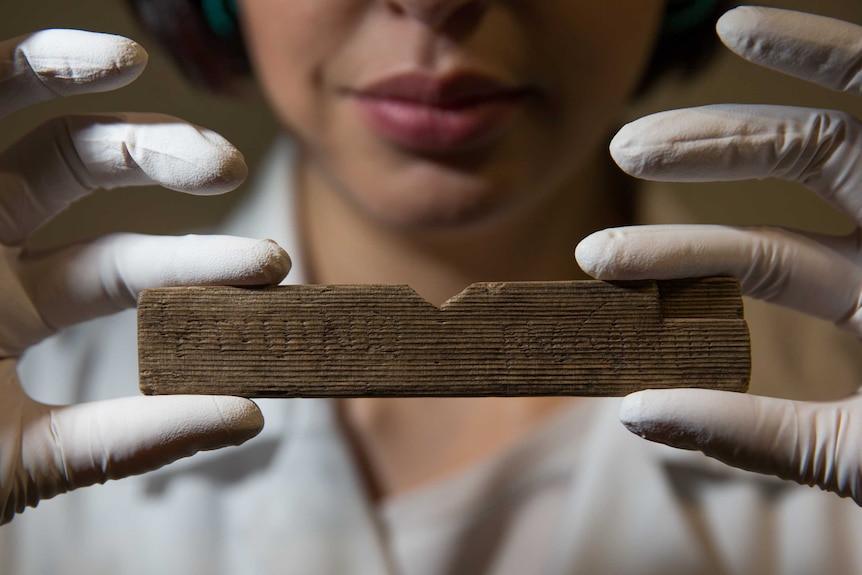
<point>493,339</point>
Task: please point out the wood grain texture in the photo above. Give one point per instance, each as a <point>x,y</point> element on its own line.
<point>503,339</point>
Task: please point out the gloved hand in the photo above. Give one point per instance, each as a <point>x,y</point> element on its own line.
<point>812,443</point>
<point>46,450</point>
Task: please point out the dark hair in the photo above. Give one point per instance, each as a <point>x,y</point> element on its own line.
<point>685,48</point>
<point>217,60</point>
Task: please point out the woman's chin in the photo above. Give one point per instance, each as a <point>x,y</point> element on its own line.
<point>430,191</point>
<point>446,211</point>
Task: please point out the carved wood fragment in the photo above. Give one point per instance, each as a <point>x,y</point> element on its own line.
<point>493,339</point>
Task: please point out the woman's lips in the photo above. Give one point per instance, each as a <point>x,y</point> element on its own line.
<point>438,115</point>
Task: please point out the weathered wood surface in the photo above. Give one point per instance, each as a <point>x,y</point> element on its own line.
<point>504,339</point>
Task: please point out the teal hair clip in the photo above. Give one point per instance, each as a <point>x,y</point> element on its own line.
<point>221,16</point>
<point>684,15</point>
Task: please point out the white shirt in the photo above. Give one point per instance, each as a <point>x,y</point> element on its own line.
<point>578,495</point>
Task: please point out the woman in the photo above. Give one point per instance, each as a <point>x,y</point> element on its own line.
<point>434,143</point>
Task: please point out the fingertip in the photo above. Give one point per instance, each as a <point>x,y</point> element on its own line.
<point>229,169</point>
<point>642,411</point>
<point>192,159</point>
<point>617,254</point>
<point>625,149</point>
<point>241,420</point>
<point>733,20</point>
<point>594,253</point>
<point>631,412</point>
<point>228,260</point>
<point>653,415</point>
<point>275,261</point>
<point>735,27</point>
<point>129,56</point>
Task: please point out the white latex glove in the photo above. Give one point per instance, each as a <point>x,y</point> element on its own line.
<point>812,443</point>
<point>46,450</point>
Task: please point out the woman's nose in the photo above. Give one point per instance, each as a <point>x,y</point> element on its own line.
<point>438,14</point>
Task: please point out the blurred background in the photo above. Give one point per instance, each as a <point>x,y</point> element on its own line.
<point>249,126</point>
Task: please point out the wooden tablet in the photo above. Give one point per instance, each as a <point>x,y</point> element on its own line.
<point>493,339</point>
